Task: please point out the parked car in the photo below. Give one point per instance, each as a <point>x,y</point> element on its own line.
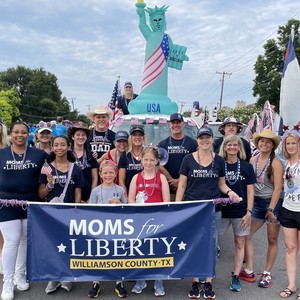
<point>156,126</point>
<point>215,128</point>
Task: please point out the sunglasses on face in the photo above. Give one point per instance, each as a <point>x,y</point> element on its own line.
<point>128,87</point>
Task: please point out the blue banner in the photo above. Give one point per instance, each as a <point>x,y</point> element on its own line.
<point>114,242</point>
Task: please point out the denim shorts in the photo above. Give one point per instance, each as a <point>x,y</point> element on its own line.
<point>260,209</point>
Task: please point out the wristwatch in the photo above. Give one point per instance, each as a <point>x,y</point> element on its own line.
<point>270,209</point>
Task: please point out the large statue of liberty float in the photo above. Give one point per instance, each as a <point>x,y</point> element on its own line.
<point>161,53</point>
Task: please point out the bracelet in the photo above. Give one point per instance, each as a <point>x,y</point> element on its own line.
<point>228,192</point>
<point>49,187</point>
<point>250,211</point>
<point>270,209</point>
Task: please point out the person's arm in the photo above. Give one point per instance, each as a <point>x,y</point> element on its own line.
<point>94,177</point>
<point>44,189</point>
<point>102,158</point>
<point>132,190</point>
<point>250,200</point>
<point>277,170</point>
<point>223,187</point>
<point>122,178</point>
<point>181,188</point>
<point>165,188</point>
<point>77,195</point>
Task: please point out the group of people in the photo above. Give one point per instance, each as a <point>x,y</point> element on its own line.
<point>68,168</point>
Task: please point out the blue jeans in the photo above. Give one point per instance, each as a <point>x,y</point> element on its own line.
<point>260,209</point>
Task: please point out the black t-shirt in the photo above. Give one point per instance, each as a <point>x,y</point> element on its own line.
<point>218,142</point>
<point>177,150</point>
<point>101,142</point>
<point>123,103</point>
<point>202,182</point>
<point>131,165</point>
<point>246,176</point>
<point>19,181</point>
<point>60,178</point>
<point>86,167</point>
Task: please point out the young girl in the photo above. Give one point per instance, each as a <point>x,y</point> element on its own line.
<point>53,183</point>
<point>149,186</point>
<point>108,193</point>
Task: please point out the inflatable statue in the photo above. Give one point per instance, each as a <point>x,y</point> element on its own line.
<point>161,53</point>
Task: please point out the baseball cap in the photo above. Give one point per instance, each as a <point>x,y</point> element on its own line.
<point>176,116</point>
<point>136,127</point>
<point>204,130</point>
<point>128,83</point>
<point>121,135</point>
<point>43,126</point>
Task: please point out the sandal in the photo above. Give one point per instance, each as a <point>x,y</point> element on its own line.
<point>286,293</point>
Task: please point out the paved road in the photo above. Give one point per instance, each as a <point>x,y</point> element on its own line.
<point>179,289</point>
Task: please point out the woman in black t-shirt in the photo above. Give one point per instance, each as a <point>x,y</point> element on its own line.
<point>20,167</point>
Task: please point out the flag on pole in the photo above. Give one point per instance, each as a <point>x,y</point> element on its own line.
<point>290,86</point>
<point>267,116</point>
<point>113,104</point>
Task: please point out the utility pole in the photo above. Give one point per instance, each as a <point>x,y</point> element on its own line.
<point>222,85</point>
<point>89,106</point>
<point>181,105</point>
<point>72,101</point>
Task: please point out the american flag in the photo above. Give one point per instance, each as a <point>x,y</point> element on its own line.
<point>155,64</point>
<point>206,117</point>
<point>267,117</point>
<point>134,120</point>
<point>149,120</point>
<point>162,120</point>
<point>46,169</point>
<point>113,103</point>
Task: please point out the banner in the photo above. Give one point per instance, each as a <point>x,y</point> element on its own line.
<point>114,242</point>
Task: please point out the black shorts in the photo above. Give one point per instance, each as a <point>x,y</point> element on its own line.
<point>289,219</point>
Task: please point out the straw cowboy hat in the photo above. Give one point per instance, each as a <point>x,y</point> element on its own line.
<point>268,134</point>
<point>233,121</point>
<point>100,110</point>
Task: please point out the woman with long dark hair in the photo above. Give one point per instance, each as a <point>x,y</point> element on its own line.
<point>20,167</point>
<point>267,192</point>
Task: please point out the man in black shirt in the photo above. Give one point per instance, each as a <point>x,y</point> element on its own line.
<point>125,99</point>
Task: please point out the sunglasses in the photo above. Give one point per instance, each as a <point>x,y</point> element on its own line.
<point>128,87</point>
<point>288,175</point>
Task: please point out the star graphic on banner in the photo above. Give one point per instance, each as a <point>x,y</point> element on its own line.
<point>182,245</point>
<point>61,248</point>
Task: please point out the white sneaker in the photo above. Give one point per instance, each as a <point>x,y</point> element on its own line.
<point>21,283</point>
<point>52,286</point>
<point>67,286</point>
<point>7,290</point>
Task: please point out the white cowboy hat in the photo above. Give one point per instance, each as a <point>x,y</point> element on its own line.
<point>100,110</point>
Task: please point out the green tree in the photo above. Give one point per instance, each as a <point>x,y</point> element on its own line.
<point>268,67</point>
<point>8,105</point>
<point>39,92</point>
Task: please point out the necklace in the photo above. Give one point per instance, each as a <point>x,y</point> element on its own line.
<point>212,163</point>
<point>136,156</point>
<point>232,179</point>
<point>147,195</point>
<point>181,146</point>
<point>126,100</point>
<point>82,164</point>
<point>115,195</point>
<point>55,164</point>
<point>18,163</point>
<point>263,170</point>
<point>38,145</point>
<point>290,174</point>
<point>100,138</point>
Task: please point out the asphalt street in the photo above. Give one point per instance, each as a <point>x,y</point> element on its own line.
<point>178,289</point>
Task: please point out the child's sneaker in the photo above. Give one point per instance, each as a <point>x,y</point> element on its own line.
<point>139,286</point>
<point>247,277</point>
<point>235,284</point>
<point>194,292</point>
<point>158,288</point>
<point>120,290</point>
<point>265,280</point>
<point>208,291</point>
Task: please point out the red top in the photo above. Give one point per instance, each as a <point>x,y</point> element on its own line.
<point>116,181</point>
<point>151,187</point>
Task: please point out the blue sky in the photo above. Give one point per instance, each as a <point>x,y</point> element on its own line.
<point>86,44</point>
